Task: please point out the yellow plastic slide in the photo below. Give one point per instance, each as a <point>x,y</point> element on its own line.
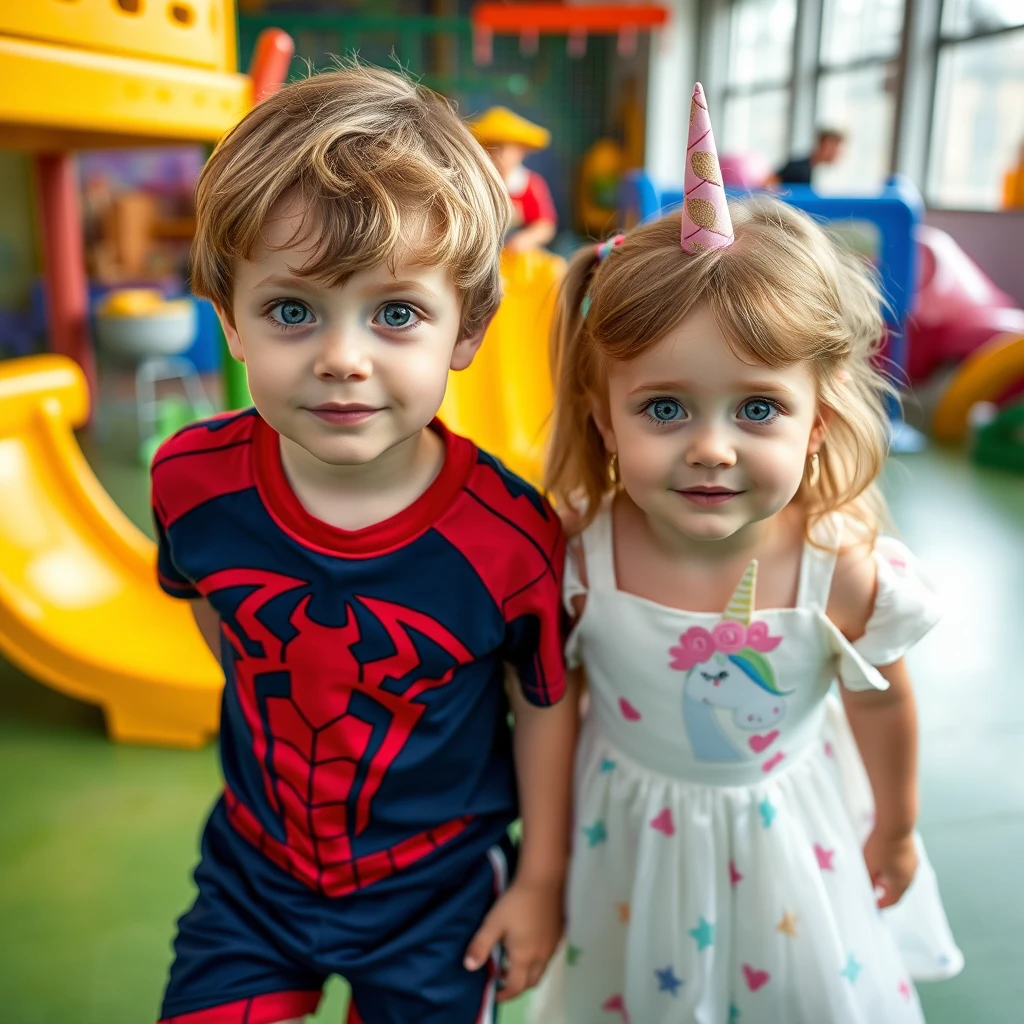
<point>504,400</point>
<point>80,609</point>
<point>79,605</point>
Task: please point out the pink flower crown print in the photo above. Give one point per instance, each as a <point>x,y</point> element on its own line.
<point>735,633</point>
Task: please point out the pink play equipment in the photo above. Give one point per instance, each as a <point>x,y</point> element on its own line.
<point>748,171</point>
<point>957,308</point>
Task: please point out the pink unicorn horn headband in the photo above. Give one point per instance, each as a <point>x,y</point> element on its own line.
<point>706,222</point>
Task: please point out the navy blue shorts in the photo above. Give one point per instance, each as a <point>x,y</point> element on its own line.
<point>257,946</point>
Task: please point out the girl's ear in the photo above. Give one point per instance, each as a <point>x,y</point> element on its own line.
<point>820,429</point>
<point>599,412</point>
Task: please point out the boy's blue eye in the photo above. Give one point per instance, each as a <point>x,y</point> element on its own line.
<point>292,313</point>
<point>665,410</point>
<point>759,410</point>
<point>396,315</point>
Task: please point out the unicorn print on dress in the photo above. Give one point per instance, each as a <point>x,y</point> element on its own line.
<point>726,670</point>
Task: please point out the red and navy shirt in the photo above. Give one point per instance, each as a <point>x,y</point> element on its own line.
<point>364,720</point>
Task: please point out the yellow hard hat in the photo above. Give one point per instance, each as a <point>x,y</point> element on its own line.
<point>500,125</point>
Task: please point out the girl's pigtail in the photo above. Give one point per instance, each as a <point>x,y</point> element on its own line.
<point>578,466</point>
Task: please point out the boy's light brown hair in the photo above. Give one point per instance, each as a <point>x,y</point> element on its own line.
<point>383,168</point>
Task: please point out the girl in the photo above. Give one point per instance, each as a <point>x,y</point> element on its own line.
<point>719,428</point>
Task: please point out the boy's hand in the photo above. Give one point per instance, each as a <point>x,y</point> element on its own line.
<point>527,923</point>
<point>891,862</point>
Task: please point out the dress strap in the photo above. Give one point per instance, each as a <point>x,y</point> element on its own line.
<point>818,563</point>
<point>599,550</point>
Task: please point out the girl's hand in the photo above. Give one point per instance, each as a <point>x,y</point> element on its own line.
<point>891,862</point>
<point>527,923</point>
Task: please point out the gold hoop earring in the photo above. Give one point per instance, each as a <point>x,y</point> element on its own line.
<point>814,471</point>
<point>613,469</point>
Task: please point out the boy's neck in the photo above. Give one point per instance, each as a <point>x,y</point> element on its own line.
<point>355,497</point>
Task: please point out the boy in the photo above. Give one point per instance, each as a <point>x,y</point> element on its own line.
<point>364,577</point>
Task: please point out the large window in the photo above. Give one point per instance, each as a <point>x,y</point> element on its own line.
<point>760,67</point>
<point>978,120</point>
<point>860,41</point>
<point>791,66</point>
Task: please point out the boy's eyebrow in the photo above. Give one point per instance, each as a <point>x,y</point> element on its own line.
<point>749,386</point>
<point>290,281</point>
<point>281,281</point>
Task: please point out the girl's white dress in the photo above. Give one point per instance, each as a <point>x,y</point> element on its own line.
<point>721,804</point>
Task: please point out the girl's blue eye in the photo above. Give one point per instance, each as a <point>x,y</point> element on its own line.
<point>292,313</point>
<point>759,410</point>
<point>396,315</point>
<point>665,410</point>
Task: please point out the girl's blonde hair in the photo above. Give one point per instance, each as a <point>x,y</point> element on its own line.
<point>782,293</point>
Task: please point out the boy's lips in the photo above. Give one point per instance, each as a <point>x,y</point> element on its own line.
<point>708,495</point>
<point>343,413</point>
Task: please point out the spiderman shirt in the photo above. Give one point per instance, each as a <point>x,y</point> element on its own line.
<point>364,722</point>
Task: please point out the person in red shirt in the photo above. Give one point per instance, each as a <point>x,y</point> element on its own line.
<point>508,138</point>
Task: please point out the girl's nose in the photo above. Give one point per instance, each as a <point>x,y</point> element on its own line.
<point>710,447</point>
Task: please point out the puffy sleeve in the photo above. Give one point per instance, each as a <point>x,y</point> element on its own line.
<point>906,605</point>
<point>573,586</point>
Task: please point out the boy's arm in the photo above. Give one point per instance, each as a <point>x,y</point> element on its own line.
<point>527,920</point>
<point>208,622</point>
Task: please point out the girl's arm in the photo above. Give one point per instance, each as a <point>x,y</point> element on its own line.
<point>527,920</point>
<point>884,724</point>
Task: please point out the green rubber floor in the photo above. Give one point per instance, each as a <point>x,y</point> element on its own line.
<point>97,841</point>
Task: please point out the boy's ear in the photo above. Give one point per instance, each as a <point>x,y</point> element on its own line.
<point>230,334</point>
<point>466,348</point>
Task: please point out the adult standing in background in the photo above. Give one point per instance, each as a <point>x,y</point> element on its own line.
<point>828,148</point>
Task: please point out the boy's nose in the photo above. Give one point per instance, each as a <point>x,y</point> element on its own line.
<point>343,357</point>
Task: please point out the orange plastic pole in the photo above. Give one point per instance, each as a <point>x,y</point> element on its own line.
<point>559,19</point>
<point>67,292</point>
<point>270,62</point>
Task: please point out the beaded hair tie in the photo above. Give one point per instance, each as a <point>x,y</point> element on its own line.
<point>601,250</point>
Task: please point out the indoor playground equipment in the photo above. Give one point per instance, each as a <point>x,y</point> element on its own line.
<point>504,400</point>
<point>140,328</point>
<point>956,309</point>
<point>101,73</point>
<point>80,609</point>
<point>988,374</point>
<point>79,605</point>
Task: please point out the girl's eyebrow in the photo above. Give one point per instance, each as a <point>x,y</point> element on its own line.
<point>773,387</point>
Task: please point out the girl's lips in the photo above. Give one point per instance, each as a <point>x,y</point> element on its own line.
<point>708,496</point>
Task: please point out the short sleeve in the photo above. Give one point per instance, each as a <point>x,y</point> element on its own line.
<point>172,581</point>
<point>535,626</point>
<point>573,587</point>
<point>906,605</point>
